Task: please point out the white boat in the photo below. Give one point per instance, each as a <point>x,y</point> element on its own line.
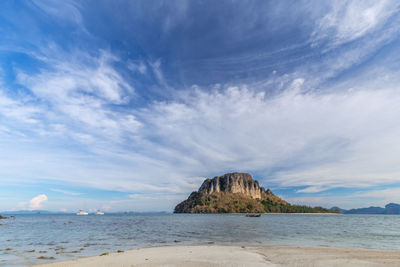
<point>81,212</point>
<point>99,213</point>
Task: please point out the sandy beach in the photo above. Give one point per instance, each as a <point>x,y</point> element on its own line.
<point>239,256</point>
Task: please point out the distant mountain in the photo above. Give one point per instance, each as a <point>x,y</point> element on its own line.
<point>391,208</point>
<point>27,212</point>
<point>369,210</point>
<point>238,193</point>
<point>338,209</point>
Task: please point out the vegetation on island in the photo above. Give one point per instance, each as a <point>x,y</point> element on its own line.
<point>222,202</point>
<point>239,193</point>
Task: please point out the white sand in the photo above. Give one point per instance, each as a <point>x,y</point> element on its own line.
<point>238,256</point>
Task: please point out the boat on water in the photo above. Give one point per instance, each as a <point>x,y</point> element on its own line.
<point>99,213</point>
<point>81,212</point>
<point>253,215</point>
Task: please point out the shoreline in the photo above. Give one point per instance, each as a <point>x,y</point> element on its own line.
<point>269,213</point>
<point>217,255</point>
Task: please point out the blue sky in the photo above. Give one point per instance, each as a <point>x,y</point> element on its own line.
<point>129,105</point>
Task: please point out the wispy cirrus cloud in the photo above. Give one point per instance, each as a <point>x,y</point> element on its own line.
<point>349,20</point>
<point>67,11</point>
<point>19,109</point>
<point>336,144</point>
<point>82,91</point>
<point>66,192</point>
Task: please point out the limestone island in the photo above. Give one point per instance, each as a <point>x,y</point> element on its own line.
<point>239,193</point>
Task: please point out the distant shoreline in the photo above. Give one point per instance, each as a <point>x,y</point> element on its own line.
<point>269,213</point>
<point>214,255</point>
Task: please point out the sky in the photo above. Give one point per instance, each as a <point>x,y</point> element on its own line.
<point>130,105</point>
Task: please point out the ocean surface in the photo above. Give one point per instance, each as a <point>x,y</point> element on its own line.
<point>70,236</point>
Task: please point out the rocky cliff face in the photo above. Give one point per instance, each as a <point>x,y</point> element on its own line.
<point>233,183</point>
<point>237,193</point>
<point>229,193</point>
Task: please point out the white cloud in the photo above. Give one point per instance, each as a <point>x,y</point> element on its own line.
<point>81,92</point>
<point>157,197</point>
<point>350,20</point>
<point>312,189</point>
<point>19,110</point>
<point>69,81</point>
<point>347,36</point>
<point>36,202</point>
<point>137,67</point>
<point>66,192</point>
<point>345,138</point>
<point>157,71</point>
<point>381,196</point>
<point>64,11</point>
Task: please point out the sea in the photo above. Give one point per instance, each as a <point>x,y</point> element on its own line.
<point>34,239</point>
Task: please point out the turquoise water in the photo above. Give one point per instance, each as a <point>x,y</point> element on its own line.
<point>69,236</point>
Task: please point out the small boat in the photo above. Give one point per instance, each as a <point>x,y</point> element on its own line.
<point>81,212</point>
<point>99,213</point>
<point>253,215</point>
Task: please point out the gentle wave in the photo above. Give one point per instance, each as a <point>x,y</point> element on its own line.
<point>33,239</point>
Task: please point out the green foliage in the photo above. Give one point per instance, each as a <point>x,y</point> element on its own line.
<point>288,208</point>
<point>223,202</point>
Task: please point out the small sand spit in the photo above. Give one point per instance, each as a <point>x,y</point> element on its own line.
<point>239,256</point>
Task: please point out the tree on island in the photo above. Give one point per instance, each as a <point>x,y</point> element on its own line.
<point>239,193</point>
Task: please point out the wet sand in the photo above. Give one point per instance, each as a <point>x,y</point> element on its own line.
<point>239,256</point>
